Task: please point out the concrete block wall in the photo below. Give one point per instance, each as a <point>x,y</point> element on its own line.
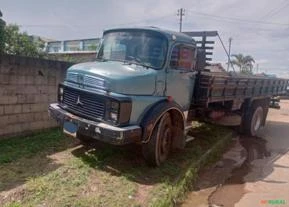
<point>27,86</point>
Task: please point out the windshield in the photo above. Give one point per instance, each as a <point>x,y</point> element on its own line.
<point>138,47</point>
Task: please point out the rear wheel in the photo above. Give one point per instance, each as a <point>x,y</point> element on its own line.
<point>157,150</point>
<point>254,120</point>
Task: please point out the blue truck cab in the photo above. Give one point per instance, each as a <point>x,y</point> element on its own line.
<point>141,75</point>
<point>142,89</point>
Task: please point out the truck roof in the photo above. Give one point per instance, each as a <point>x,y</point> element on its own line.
<point>171,35</point>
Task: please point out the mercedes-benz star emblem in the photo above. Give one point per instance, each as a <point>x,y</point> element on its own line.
<point>78,102</point>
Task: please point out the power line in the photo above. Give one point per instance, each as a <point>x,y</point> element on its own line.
<point>93,25</point>
<point>43,25</point>
<point>237,19</point>
<point>261,31</point>
<point>181,13</point>
<point>147,20</point>
<point>275,10</point>
<point>280,9</point>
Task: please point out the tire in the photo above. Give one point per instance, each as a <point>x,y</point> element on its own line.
<point>157,150</point>
<point>254,120</point>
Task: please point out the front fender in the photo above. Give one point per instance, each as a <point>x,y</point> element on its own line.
<point>153,115</point>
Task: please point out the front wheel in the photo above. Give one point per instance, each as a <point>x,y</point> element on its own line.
<point>157,150</point>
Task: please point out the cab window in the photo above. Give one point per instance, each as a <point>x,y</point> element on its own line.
<point>183,58</point>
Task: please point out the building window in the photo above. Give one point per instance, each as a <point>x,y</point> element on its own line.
<point>72,45</point>
<point>54,46</point>
<point>91,45</point>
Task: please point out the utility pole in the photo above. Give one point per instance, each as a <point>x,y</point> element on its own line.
<point>181,13</point>
<point>229,55</point>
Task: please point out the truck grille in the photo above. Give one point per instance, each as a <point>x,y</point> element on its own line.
<point>85,81</point>
<point>84,103</point>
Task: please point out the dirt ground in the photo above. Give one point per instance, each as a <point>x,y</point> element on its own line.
<point>254,172</point>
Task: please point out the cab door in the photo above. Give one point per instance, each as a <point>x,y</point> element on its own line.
<point>181,74</point>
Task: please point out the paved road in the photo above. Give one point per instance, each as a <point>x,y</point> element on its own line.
<point>254,172</point>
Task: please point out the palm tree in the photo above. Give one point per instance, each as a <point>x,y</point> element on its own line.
<point>245,63</point>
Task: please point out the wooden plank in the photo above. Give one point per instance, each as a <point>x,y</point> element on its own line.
<point>207,42</point>
<point>202,33</point>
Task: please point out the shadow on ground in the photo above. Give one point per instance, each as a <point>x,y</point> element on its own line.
<point>128,160</point>
<point>23,158</point>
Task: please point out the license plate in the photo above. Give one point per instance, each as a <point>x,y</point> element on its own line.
<point>70,128</point>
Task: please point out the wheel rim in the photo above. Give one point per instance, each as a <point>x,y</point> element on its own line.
<point>257,119</point>
<point>258,123</point>
<point>165,144</point>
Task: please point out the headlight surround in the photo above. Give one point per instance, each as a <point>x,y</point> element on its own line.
<point>119,112</point>
<point>60,93</point>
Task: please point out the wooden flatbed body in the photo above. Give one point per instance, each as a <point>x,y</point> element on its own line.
<point>220,87</point>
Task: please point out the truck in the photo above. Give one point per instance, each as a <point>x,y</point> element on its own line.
<point>148,84</point>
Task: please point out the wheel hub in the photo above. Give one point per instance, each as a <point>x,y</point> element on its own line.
<point>166,141</point>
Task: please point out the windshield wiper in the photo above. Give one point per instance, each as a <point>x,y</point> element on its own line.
<point>129,62</point>
<point>135,60</point>
<point>101,59</point>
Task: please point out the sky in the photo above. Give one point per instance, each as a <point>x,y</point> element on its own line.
<point>259,28</point>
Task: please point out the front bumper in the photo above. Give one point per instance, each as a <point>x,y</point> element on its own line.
<point>97,130</point>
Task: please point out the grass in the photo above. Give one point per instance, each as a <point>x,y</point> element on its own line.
<point>56,171</point>
<point>18,147</point>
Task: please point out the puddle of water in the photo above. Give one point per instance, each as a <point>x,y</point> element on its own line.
<point>223,185</point>
<point>234,188</point>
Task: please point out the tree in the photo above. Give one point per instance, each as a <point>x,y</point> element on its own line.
<point>14,42</point>
<point>18,43</point>
<point>245,63</point>
<point>2,26</point>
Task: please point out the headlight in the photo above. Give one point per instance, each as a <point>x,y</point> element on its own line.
<point>60,93</point>
<point>114,111</point>
<point>113,116</point>
<point>114,107</point>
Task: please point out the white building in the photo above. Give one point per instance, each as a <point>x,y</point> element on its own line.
<point>70,46</point>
